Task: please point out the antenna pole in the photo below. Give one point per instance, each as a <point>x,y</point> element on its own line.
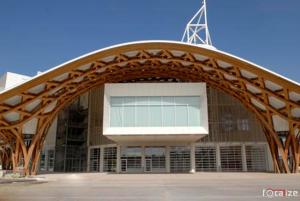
<point>196,31</point>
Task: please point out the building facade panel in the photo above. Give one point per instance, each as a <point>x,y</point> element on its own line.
<point>235,143</point>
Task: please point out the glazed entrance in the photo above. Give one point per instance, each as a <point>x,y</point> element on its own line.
<point>143,159</point>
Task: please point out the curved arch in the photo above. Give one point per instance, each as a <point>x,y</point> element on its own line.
<point>270,96</point>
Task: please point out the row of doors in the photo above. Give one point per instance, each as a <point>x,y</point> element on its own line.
<point>230,159</point>
<point>148,165</point>
<point>155,160</point>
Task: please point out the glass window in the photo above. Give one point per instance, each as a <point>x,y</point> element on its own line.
<point>156,111</point>
<point>168,114</point>
<point>194,116</point>
<point>43,161</point>
<point>50,160</point>
<point>129,116</point>
<point>116,116</point>
<point>142,115</point>
<point>182,115</point>
<point>155,116</point>
<point>110,159</point>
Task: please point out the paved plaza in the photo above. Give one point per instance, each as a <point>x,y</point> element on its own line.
<point>152,187</point>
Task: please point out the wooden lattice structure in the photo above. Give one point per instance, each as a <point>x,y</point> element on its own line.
<point>271,97</point>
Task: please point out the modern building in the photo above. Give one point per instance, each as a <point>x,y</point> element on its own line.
<point>153,107</point>
<point>162,125</point>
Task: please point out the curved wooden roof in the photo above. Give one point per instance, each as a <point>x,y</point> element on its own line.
<point>270,96</point>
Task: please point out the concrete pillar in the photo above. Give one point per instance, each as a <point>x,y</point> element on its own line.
<point>244,160</point>
<point>143,159</point>
<point>218,158</point>
<point>88,160</point>
<point>101,158</point>
<point>270,164</point>
<point>193,159</point>
<point>168,159</point>
<point>118,168</point>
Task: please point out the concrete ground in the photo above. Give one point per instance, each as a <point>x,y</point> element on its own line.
<point>151,187</point>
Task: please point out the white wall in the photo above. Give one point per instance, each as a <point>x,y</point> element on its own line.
<point>9,80</point>
<point>155,89</point>
<point>51,135</point>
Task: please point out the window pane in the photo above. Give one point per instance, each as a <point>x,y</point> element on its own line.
<point>168,116</point>
<point>180,100</point>
<point>142,116</point>
<point>141,100</point>
<point>155,116</point>
<point>129,116</point>
<point>116,116</point>
<point>181,115</point>
<point>167,100</point>
<point>116,101</point>
<point>129,101</point>
<point>194,116</point>
<point>155,100</point>
<point>193,100</point>
<point>156,111</point>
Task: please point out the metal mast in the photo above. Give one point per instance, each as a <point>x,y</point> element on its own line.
<point>196,31</point>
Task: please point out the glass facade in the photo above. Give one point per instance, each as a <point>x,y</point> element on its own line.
<point>43,161</point>
<point>229,121</point>
<point>131,159</point>
<point>155,111</point>
<point>231,158</point>
<point>180,159</point>
<point>155,159</point>
<point>256,158</point>
<point>206,158</point>
<point>95,159</point>
<point>110,159</point>
<point>71,137</point>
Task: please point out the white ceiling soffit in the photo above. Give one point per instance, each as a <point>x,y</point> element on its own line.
<point>223,64</point>
<point>200,57</point>
<point>177,53</point>
<point>280,124</point>
<point>253,89</point>
<point>186,63</point>
<point>131,53</point>
<point>272,86</point>
<point>33,105</point>
<point>77,80</point>
<point>296,112</point>
<point>84,67</point>
<point>37,89</point>
<point>247,74</point>
<point>50,107</point>
<point>12,116</point>
<point>108,59</point>
<point>15,100</point>
<point>258,104</point>
<point>154,52</point>
<point>61,77</point>
<point>53,91</point>
<point>30,127</point>
<point>276,103</point>
<point>229,77</point>
<point>294,96</point>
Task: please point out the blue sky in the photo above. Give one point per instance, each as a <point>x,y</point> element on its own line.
<point>37,35</point>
